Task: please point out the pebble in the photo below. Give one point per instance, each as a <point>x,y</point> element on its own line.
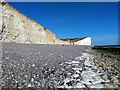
<point>75,62</point>
<point>33,65</point>
<point>75,75</point>
<point>69,72</point>
<point>29,85</point>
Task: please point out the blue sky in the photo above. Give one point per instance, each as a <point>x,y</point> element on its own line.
<point>73,20</point>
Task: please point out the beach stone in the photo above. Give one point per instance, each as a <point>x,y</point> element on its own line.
<point>27,68</point>
<point>97,86</point>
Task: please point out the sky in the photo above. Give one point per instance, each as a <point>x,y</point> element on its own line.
<point>98,20</point>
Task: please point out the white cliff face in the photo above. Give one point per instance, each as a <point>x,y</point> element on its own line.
<point>0,18</point>
<point>85,41</point>
<point>16,27</point>
<point>1,70</point>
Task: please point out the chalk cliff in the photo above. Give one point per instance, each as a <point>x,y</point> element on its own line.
<point>16,27</point>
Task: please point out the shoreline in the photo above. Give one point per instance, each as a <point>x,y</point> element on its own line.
<point>115,49</point>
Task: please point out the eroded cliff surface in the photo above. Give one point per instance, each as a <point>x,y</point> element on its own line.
<point>16,27</point>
